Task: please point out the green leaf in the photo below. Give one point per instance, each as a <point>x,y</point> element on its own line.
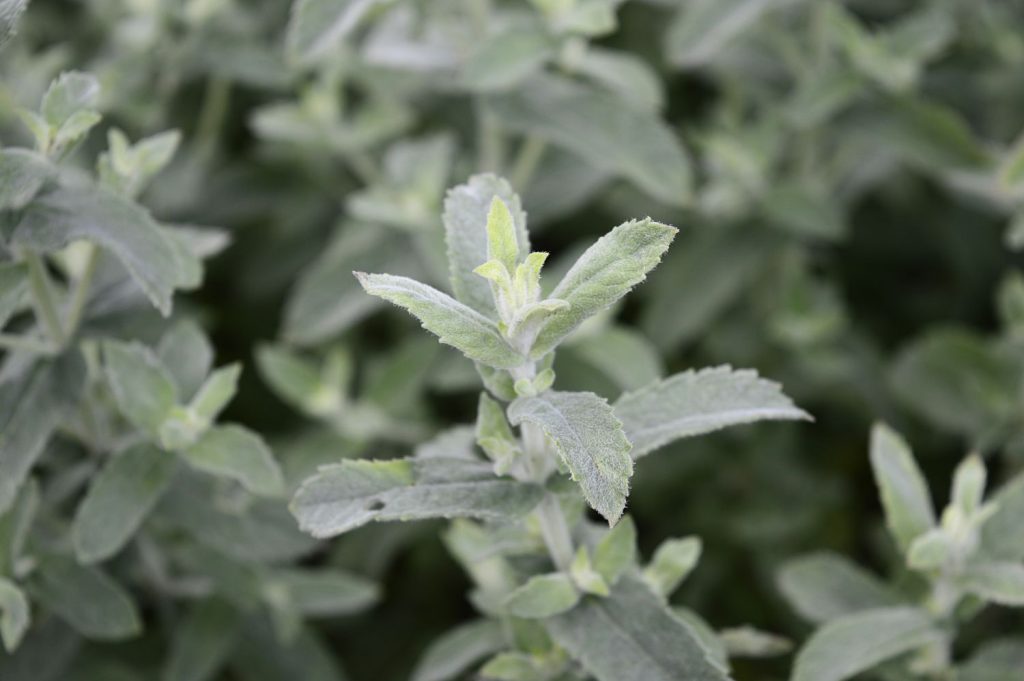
<point>202,642</point>
<point>458,649</point>
<point>506,59</point>
<point>616,263</point>
<point>908,503</point>
<point>746,641</point>
<point>626,357</point>
<point>494,435</point>
<point>542,596</point>
<point>672,562</point>
<point>86,598</point>
<point>601,129</point>
<point>119,499</point>
<point>262,655</point>
<point>10,12</point>
<point>216,392</point>
<point>347,495</point>
<point>616,551</point>
<point>697,402</point>
<point>823,586</point>
<point>632,635</point>
<point>452,322</point>
<point>625,74</point>
<point>144,391</point>
<point>584,576</point>
<point>855,643</point>
<point>590,441</point>
<point>702,28</point>
<point>1011,167</point>
<point>969,485</point>
<point>317,28</point>
<point>298,381</point>
<point>15,526</point>
<point>22,175</point>
<point>325,592</point>
<point>237,453</point>
<point>14,614</point>
<point>31,408</point>
<point>71,93</point>
<point>13,285</point>
<point>994,661</point>
<point>1002,535</point>
<point>187,355</point>
<point>466,209</point>
<point>501,235</point>
<point>1001,583</point>
<point>56,218</point>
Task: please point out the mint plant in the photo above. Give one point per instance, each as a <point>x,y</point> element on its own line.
<point>572,597</point>
<point>952,567</point>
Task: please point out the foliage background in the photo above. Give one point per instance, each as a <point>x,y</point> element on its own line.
<point>848,200</point>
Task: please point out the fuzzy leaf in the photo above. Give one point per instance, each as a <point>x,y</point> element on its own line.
<point>69,94</point>
<point>202,642</point>
<point>144,391</point>
<point>317,27</point>
<point>119,499</point>
<point>696,402</point>
<point>542,596</point>
<point>237,453</point>
<point>1001,583</point>
<point>590,441</point>
<point>325,592</point>
<point>825,586</point>
<point>216,392</point>
<point>632,635</point>
<point>347,495</point>
<point>451,321</point>
<point>22,174</point>
<point>10,12</point>
<point>855,643</point>
<point>86,598</point>
<point>457,650</point>
<point>905,496</point>
<point>672,562</point>
<point>702,28</point>
<point>616,551</point>
<point>1002,535</point>
<point>506,59</point>
<point>187,355</point>
<point>616,263</point>
<point>14,614</point>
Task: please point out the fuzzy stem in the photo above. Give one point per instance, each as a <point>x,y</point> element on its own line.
<point>43,297</point>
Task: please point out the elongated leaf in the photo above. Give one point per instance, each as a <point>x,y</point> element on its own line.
<point>1002,535</point>
<point>504,60</point>
<point>317,27</point>
<point>696,402</point>
<point>13,284</point>
<point>144,390</point>
<point>457,650</point>
<point>325,592</point>
<point>262,655</point>
<point>542,596</point>
<point>632,635</point>
<point>202,642</point>
<point>451,321</point>
<point>86,598</point>
<point>22,174</point>
<point>119,499</point>
<point>465,224</point>
<point>30,409</point>
<point>825,586</point>
<point>187,355</point>
<point>602,129</point>
<point>1001,583</point>
<point>238,453</point>
<point>10,12</point>
<point>703,27</point>
<point>14,614</point>
<point>589,440</point>
<point>672,563</point>
<point>850,645</point>
<point>344,496</point>
<point>607,271</point>
<point>994,661</point>
<point>15,526</point>
<point>908,503</point>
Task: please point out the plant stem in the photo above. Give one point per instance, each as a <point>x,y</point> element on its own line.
<point>82,288</point>
<point>37,345</point>
<point>530,153</point>
<point>216,99</point>
<point>43,297</point>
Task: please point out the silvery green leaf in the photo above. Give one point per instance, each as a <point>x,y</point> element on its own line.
<point>506,59</point>
<point>628,359</point>
<point>15,526</point>
<point>452,322</point>
<point>632,635</point>
<point>296,380</point>
<point>1001,583</point>
<point>186,354</point>
<point>908,503</point>
<point>825,586</point>
<point>324,592</point>
<point>237,453</point>
<point>56,218</point>
<point>625,74</point>
<point>22,175</point>
<point>616,263</point>
<point>1002,535</point>
<point>13,285</point>
<point>202,642</point>
<point>805,207</point>
<point>702,28</point>
<point>969,485</point>
<point>494,435</point>
<point>458,649</point>
<point>10,12</point>
<point>465,220</point>
<point>590,442</point>
<point>746,641</point>
<point>144,391</point>
<point>31,408</point>
<point>994,661</point>
<point>673,561</point>
<point>86,598</point>
<point>708,638</point>
<point>14,614</point>
<point>119,499</point>
<point>317,27</point>
<point>602,129</point>
<point>69,94</point>
<point>46,653</point>
<point>261,655</point>
<point>615,552</point>
<point>344,496</point>
<point>855,643</point>
<point>931,550</point>
<point>542,596</point>
<point>513,666</point>
<point>697,402</point>
<point>215,393</point>
<point>75,128</point>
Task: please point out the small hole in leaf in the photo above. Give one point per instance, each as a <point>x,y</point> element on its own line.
<point>375,505</point>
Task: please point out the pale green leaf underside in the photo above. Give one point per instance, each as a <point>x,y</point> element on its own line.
<point>905,496</point>
<point>825,586</point>
<point>347,495</point>
<point>589,440</point>
<point>451,321</point>
<point>632,635</point>
<point>850,645</point>
<point>696,402</point>
<point>616,263</point>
